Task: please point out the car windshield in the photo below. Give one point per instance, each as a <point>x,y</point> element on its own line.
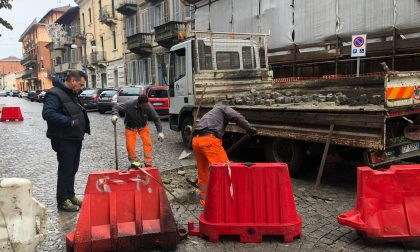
<point>108,93</point>
<point>130,91</point>
<point>158,93</point>
<point>88,92</point>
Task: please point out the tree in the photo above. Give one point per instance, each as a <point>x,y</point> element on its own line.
<point>5,4</point>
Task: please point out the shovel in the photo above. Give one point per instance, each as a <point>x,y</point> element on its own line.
<point>185,153</point>
<point>116,151</point>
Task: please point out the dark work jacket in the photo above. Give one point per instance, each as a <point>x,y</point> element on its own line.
<point>61,109</point>
<point>135,116</point>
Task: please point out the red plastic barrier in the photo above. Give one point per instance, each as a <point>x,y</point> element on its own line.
<point>124,212</point>
<point>387,204</point>
<point>249,200</point>
<point>11,114</point>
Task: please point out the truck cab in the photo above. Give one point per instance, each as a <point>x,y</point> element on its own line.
<point>220,62</point>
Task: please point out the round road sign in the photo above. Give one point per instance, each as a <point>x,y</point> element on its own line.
<point>358,41</point>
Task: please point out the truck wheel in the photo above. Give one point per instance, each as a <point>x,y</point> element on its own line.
<point>186,131</point>
<point>284,151</point>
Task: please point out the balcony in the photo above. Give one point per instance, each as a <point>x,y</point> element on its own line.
<point>97,58</point>
<point>140,43</point>
<point>106,16</point>
<point>28,60</point>
<point>29,74</point>
<point>127,7</point>
<point>192,1</point>
<point>169,33</point>
<point>58,46</point>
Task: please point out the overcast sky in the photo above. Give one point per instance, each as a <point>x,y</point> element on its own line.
<point>20,16</point>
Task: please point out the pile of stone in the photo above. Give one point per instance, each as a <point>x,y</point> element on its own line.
<point>255,97</point>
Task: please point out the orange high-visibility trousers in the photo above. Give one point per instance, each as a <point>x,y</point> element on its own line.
<point>131,143</point>
<point>208,150</point>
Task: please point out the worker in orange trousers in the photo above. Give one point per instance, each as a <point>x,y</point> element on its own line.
<point>137,112</point>
<point>207,141</point>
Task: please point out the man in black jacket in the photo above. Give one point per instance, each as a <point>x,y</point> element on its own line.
<point>67,124</point>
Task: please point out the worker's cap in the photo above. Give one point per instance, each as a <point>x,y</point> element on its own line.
<point>142,99</point>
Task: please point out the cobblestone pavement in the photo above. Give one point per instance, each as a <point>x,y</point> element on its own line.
<point>26,152</point>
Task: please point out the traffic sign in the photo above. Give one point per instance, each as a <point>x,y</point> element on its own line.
<point>358,45</point>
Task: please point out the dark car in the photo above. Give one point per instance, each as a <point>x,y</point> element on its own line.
<point>107,99</point>
<point>159,98</point>
<point>34,96</point>
<point>41,96</point>
<point>15,93</point>
<point>89,97</point>
<point>131,92</point>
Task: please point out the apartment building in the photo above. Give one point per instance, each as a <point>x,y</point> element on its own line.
<point>66,45</point>
<point>151,28</point>
<point>102,27</point>
<point>36,57</point>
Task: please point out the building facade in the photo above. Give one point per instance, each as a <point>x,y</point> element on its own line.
<point>151,28</point>
<point>36,56</point>
<point>102,27</point>
<point>66,46</point>
<point>8,66</point>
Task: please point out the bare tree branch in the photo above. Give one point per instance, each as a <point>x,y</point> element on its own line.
<point>5,4</point>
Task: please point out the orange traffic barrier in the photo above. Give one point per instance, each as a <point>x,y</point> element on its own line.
<point>387,204</point>
<point>249,200</point>
<point>124,212</point>
<point>11,114</point>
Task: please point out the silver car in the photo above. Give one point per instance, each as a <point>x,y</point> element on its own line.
<point>131,92</point>
<point>3,93</point>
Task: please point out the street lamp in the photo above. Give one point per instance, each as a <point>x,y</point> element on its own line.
<point>92,44</point>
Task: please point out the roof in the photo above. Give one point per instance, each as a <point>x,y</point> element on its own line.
<point>58,9</point>
<point>34,23</point>
<point>69,16</point>
<point>10,58</point>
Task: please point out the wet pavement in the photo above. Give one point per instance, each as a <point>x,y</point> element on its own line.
<point>26,152</point>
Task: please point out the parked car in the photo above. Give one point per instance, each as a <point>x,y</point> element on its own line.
<point>8,92</point>
<point>107,99</point>
<point>41,96</point>
<point>3,93</point>
<point>23,94</point>
<point>89,97</point>
<point>15,93</point>
<point>37,93</point>
<point>31,96</point>
<point>159,98</point>
<point>131,92</point>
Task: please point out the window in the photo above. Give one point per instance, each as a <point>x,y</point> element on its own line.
<point>113,8</point>
<point>248,57</point>
<point>102,42</point>
<point>227,60</point>
<point>90,16</point>
<point>116,78</point>
<point>205,57</point>
<point>93,78</point>
<point>130,23</point>
<point>158,14</point>
<point>83,21</point>
<point>179,70</point>
<point>158,93</point>
<point>144,17</point>
<point>74,56</point>
<point>189,12</point>
<point>114,37</point>
<point>145,71</point>
<point>100,7</point>
<point>177,10</point>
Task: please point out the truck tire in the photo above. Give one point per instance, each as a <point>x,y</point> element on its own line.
<point>285,151</point>
<point>185,133</point>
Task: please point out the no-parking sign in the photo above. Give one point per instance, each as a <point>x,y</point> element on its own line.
<point>358,45</point>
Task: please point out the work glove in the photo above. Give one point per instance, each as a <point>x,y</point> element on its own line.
<point>161,137</point>
<point>252,131</point>
<point>114,119</point>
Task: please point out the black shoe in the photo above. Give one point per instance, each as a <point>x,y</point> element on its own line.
<point>67,206</point>
<point>76,201</point>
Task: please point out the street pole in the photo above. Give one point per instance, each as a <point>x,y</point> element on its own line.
<point>358,66</point>
<point>84,55</point>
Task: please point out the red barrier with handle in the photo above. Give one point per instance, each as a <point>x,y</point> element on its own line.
<point>124,212</point>
<point>249,200</point>
<point>387,203</point>
<point>11,114</point>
